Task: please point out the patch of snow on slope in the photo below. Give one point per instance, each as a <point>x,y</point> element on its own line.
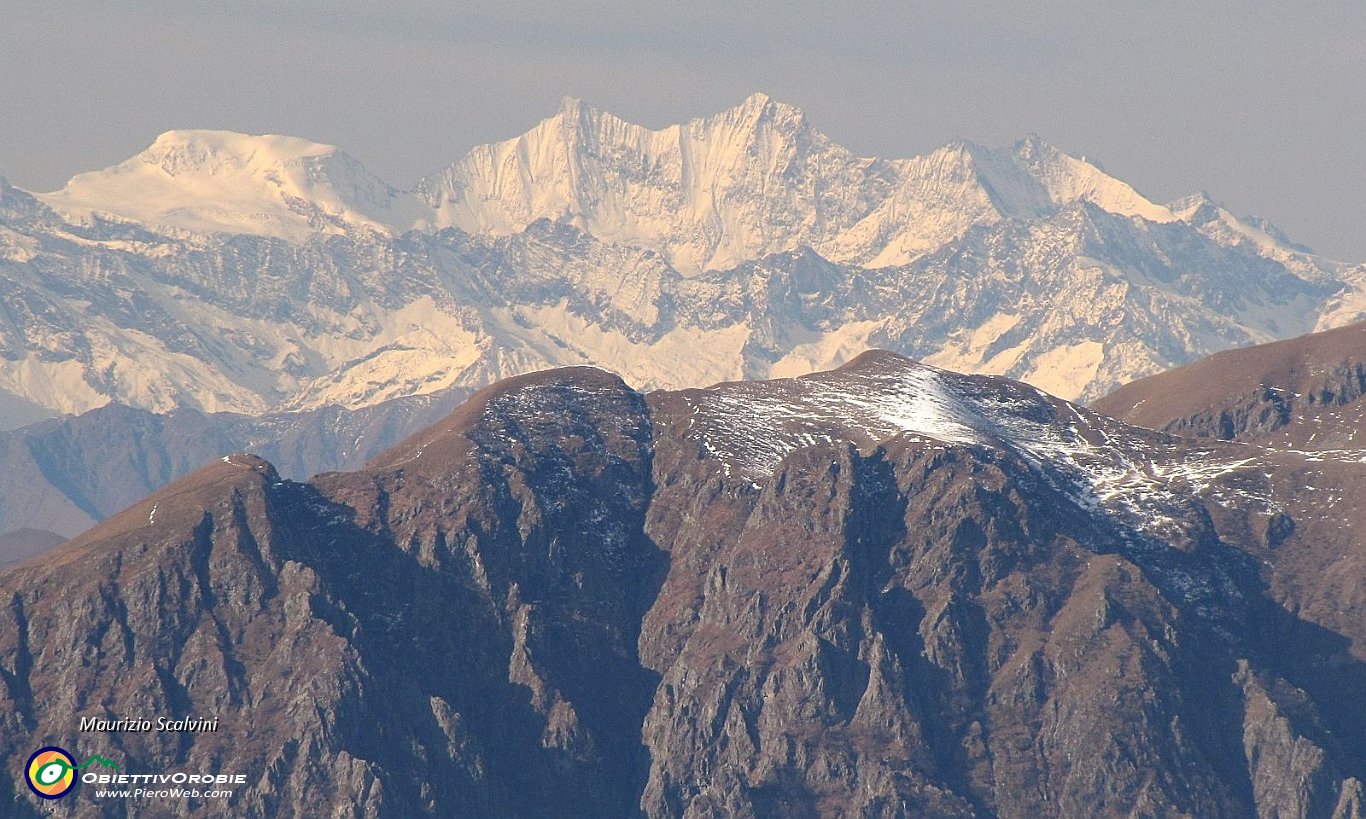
<point>1140,478</point>
<point>924,406</point>
<point>753,426</point>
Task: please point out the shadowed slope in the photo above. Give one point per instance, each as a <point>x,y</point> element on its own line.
<point>888,589</point>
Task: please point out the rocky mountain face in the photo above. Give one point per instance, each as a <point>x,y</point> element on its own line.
<point>886,590</point>
<point>1302,393</point>
<point>754,181</point>
<point>62,476</point>
<point>226,272</point>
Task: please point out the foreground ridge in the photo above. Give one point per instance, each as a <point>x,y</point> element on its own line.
<point>887,589</point>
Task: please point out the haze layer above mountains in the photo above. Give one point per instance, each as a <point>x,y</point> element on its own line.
<point>224,272</point>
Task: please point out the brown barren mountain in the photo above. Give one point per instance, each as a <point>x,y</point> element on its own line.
<point>1302,392</point>
<point>885,590</point>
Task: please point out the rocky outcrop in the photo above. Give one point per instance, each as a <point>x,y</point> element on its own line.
<point>882,591</point>
<point>1292,773</point>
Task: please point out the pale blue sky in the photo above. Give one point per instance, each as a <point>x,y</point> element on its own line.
<point>1262,104</point>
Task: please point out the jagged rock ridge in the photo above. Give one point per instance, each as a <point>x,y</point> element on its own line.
<point>886,590</point>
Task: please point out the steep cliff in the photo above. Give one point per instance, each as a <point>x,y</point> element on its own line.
<point>886,590</point>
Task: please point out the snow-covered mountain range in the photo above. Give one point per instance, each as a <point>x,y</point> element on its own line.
<point>222,271</point>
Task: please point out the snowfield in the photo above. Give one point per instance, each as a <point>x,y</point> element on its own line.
<point>226,271</point>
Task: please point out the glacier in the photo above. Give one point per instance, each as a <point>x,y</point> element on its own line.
<point>232,272</point>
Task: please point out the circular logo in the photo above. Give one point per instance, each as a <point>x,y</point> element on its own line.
<point>51,772</point>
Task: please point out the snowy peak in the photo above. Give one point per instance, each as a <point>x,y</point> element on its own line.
<point>215,153</point>
<point>1068,179</point>
<point>936,198</point>
<point>708,194</point>
<point>940,195</point>
<point>1195,209</point>
<point>758,112</point>
<point>226,182</point>
<point>1204,213</point>
<point>758,179</point>
<point>1257,236</point>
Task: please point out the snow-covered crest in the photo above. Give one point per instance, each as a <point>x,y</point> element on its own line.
<point>643,251</point>
<point>755,180</point>
<point>710,193</point>
<point>225,182</point>
<point>1140,476</point>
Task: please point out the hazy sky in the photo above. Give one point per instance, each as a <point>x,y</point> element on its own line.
<point>1260,103</point>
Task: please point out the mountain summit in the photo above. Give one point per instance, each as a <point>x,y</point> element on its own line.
<point>225,182</point>
<point>755,180</point>
<point>708,194</point>
<point>227,272</point>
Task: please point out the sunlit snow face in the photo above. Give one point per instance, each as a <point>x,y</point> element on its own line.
<point>1100,463</point>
